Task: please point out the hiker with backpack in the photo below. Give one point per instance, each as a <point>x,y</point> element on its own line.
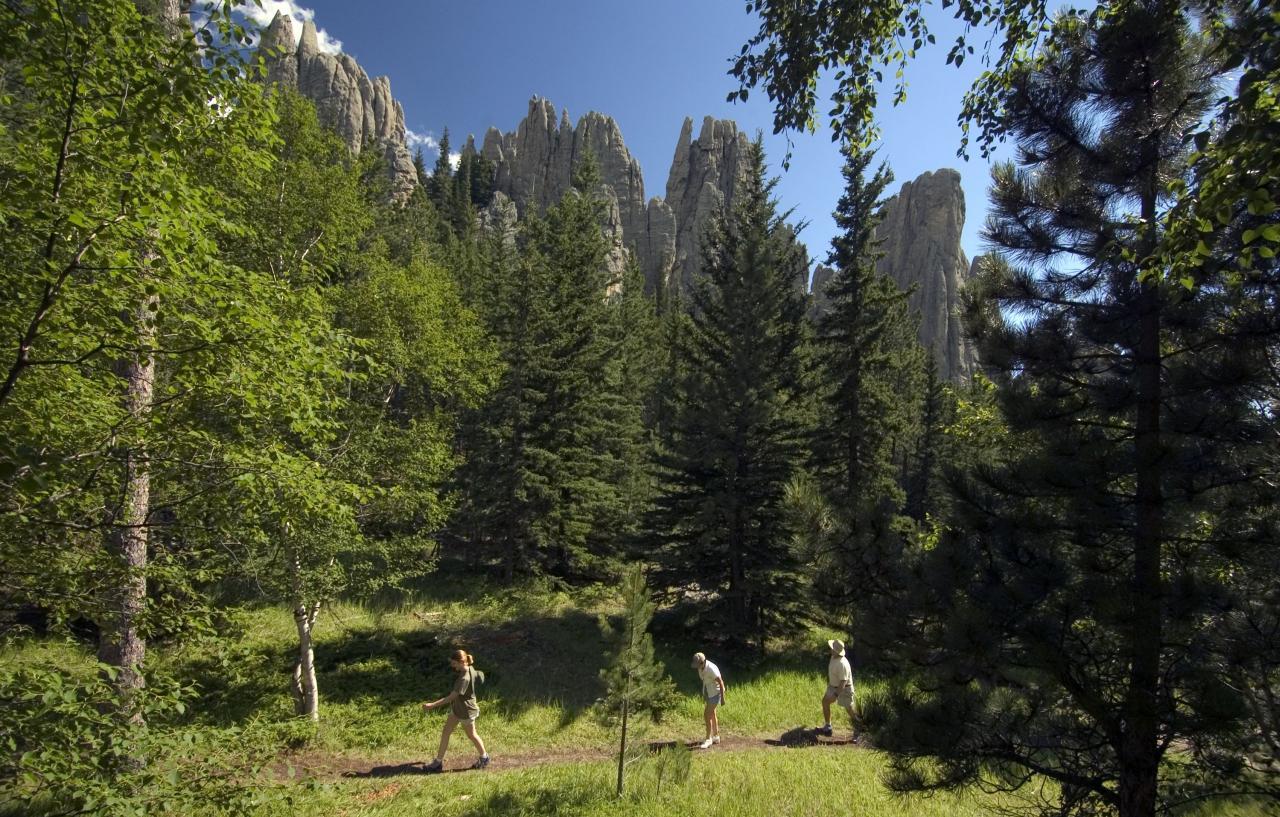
<point>712,695</point>
<point>839,688</point>
<point>462,709</point>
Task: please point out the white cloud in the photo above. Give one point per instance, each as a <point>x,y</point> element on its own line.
<point>420,140</point>
<point>263,15</point>
<point>428,143</point>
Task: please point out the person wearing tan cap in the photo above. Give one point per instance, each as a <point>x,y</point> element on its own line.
<point>839,688</point>
<point>712,694</point>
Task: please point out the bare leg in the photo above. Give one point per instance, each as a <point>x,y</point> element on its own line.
<point>853,721</point>
<point>450,723</point>
<point>827,699</point>
<point>470,728</point>
<point>715,721</point>
<point>709,717</point>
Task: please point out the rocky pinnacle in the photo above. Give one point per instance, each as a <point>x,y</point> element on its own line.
<point>359,109</point>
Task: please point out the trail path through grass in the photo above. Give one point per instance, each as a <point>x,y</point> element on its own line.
<point>318,766</point>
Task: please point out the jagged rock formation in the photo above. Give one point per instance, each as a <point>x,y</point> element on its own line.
<point>819,300</point>
<point>920,239</point>
<point>534,167</point>
<point>704,174</point>
<point>361,110</point>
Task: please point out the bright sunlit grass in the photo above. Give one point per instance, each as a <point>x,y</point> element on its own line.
<point>542,652</point>
<point>761,783</point>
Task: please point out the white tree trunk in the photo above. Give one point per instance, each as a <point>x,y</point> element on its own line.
<point>306,692</point>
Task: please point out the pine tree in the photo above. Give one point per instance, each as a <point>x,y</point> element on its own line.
<point>923,479</point>
<point>482,176</point>
<point>420,168</point>
<point>870,370</point>
<point>736,439</point>
<point>635,682</point>
<point>632,335</point>
<point>1072,621</point>
<point>538,477</point>
<point>440,185</point>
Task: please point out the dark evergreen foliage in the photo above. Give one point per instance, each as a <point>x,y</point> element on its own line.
<point>546,453</point>
<point>870,373</point>
<point>1080,618</point>
<point>736,438</point>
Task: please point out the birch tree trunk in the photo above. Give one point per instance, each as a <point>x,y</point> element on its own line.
<point>121,644</point>
<point>306,692</point>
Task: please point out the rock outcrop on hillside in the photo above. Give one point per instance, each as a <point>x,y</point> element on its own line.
<point>534,167</point>
<point>819,300</point>
<point>361,110</point>
<point>920,239</point>
<point>704,174</point>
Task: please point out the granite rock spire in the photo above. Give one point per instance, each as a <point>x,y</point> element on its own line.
<point>359,109</point>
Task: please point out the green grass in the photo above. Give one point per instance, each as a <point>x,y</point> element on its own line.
<point>763,783</point>
<point>542,652</point>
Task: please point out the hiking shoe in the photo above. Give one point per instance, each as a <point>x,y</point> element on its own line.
<point>434,767</point>
<point>481,762</point>
<point>706,744</point>
<point>825,731</point>
<point>715,738</point>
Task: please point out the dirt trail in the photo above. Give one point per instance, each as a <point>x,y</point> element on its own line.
<point>308,766</point>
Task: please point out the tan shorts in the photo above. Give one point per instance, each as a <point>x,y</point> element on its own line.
<point>841,695</point>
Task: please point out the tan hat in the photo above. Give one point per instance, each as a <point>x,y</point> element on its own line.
<point>836,646</point>
<point>698,660</point>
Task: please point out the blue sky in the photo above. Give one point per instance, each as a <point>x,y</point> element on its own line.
<point>467,66</point>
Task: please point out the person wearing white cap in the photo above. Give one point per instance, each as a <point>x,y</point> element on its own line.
<point>712,694</point>
<point>839,687</point>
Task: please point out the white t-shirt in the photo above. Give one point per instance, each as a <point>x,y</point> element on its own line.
<point>709,674</point>
<point>839,673</point>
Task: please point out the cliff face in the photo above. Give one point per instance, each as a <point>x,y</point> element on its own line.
<point>534,167</point>
<point>920,239</point>
<point>704,175</point>
<point>361,110</point>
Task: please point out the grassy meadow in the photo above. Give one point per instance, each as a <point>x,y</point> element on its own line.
<point>541,650</point>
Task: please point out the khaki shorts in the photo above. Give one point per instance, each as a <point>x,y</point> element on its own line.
<point>841,695</point>
<point>465,715</point>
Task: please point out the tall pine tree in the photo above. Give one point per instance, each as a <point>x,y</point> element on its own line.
<point>871,369</point>
<point>736,438</point>
<point>1076,619</point>
<point>538,478</point>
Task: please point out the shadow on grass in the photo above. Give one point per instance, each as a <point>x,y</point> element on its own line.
<point>528,662</point>
<point>564,799</point>
<point>402,769</point>
<point>235,687</point>
<point>802,737</point>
